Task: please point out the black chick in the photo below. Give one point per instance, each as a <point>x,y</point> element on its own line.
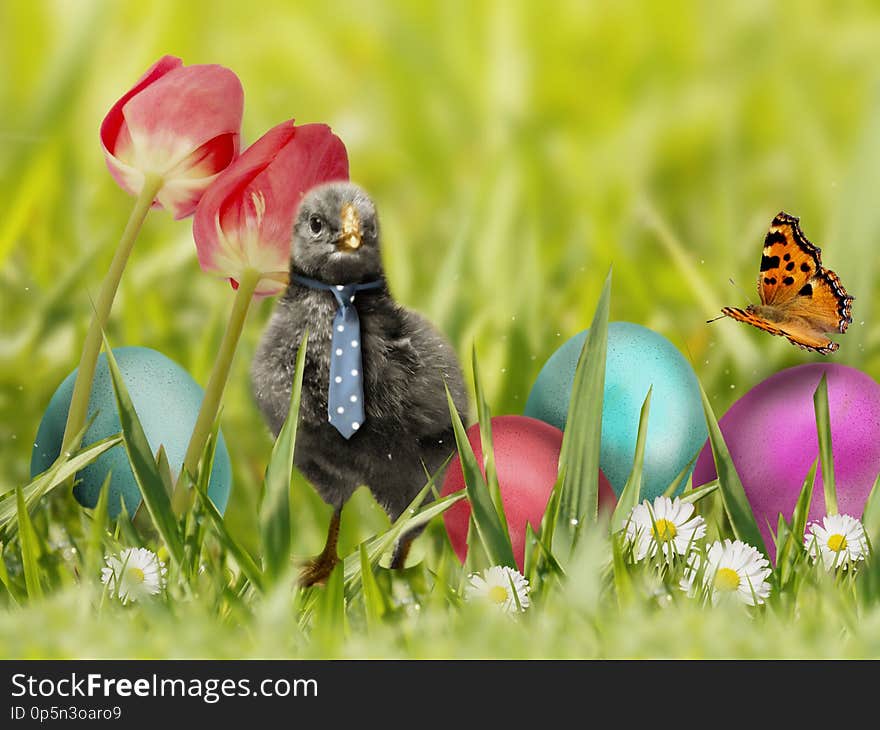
<point>405,361</point>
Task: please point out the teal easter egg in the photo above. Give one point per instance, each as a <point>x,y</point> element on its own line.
<point>637,359</point>
<point>167,401</point>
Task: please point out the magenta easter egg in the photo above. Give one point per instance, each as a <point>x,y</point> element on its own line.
<point>771,434</point>
<point>526,461</point>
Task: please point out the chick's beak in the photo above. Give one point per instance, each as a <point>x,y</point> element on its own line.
<point>350,239</point>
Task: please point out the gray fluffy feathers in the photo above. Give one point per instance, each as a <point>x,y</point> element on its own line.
<point>406,363</point>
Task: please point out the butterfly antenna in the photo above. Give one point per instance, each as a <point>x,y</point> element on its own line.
<point>709,321</point>
<point>741,291</point>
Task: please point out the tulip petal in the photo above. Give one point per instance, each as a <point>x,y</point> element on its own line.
<point>216,154</point>
<point>294,159</point>
<point>314,156</point>
<point>127,177</point>
<point>245,219</point>
<point>180,112</point>
<point>181,196</point>
<point>223,200</point>
<point>180,122</point>
<point>187,182</point>
<point>113,122</point>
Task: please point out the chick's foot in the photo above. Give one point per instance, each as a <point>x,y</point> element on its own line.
<point>317,570</point>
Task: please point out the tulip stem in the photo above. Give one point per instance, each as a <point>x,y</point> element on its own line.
<point>82,389</point>
<point>219,375</point>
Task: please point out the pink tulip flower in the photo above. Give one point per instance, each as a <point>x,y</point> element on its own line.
<point>245,219</point>
<point>180,123</point>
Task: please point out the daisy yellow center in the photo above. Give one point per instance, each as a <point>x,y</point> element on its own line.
<point>498,594</point>
<point>135,575</point>
<point>837,543</point>
<point>726,579</point>
<point>663,530</point>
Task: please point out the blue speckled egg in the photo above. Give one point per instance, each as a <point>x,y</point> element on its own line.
<point>637,359</point>
<point>167,401</point>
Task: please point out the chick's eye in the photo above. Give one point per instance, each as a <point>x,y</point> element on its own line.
<point>316,224</point>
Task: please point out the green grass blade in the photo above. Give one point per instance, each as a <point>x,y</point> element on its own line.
<point>379,545</point>
<point>329,612</point>
<point>164,469</point>
<point>870,576</point>
<point>622,577</point>
<point>826,455</point>
<point>374,605</point>
<point>30,549</point>
<point>781,537</point>
<point>195,526</point>
<point>538,549</point>
<point>579,458</point>
<point>54,476</point>
<point>733,496</point>
<point>443,593</point>
<point>98,529</point>
<point>245,562</point>
<point>682,475</point>
<point>476,559</point>
<point>632,490</point>
<point>143,522</point>
<point>143,464</point>
<point>514,593</point>
<point>547,529</point>
<point>495,539</point>
<point>791,544</point>
<point>802,507</point>
<point>530,564</point>
<point>5,580</point>
<point>125,526</point>
<point>695,495</point>
<point>275,510</point>
<point>546,559</point>
<point>8,492</point>
<point>485,420</point>
<point>871,515</point>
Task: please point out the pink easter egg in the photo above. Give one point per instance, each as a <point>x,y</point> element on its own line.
<point>771,434</point>
<point>526,461</point>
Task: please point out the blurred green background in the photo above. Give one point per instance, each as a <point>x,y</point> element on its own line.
<point>516,151</point>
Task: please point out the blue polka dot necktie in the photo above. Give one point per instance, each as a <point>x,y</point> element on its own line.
<point>345,397</point>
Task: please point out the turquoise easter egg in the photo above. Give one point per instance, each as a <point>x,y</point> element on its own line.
<point>637,359</point>
<point>167,401</point>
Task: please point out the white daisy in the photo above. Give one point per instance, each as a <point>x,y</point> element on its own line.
<point>840,541</point>
<point>732,570</point>
<point>501,586</point>
<point>135,574</point>
<point>667,524</point>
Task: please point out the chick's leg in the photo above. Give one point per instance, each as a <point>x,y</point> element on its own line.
<point>321,566</point>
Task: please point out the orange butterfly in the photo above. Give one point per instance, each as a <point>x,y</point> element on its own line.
<point>800,299</point>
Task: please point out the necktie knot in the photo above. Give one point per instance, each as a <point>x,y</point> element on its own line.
<point>344,294</point>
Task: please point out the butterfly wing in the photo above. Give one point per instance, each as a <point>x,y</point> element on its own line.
<point>795,331</point>
<point>743,315</point>
<point>788,261</point>
<point>801,334</point>
<point>802,298</point>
